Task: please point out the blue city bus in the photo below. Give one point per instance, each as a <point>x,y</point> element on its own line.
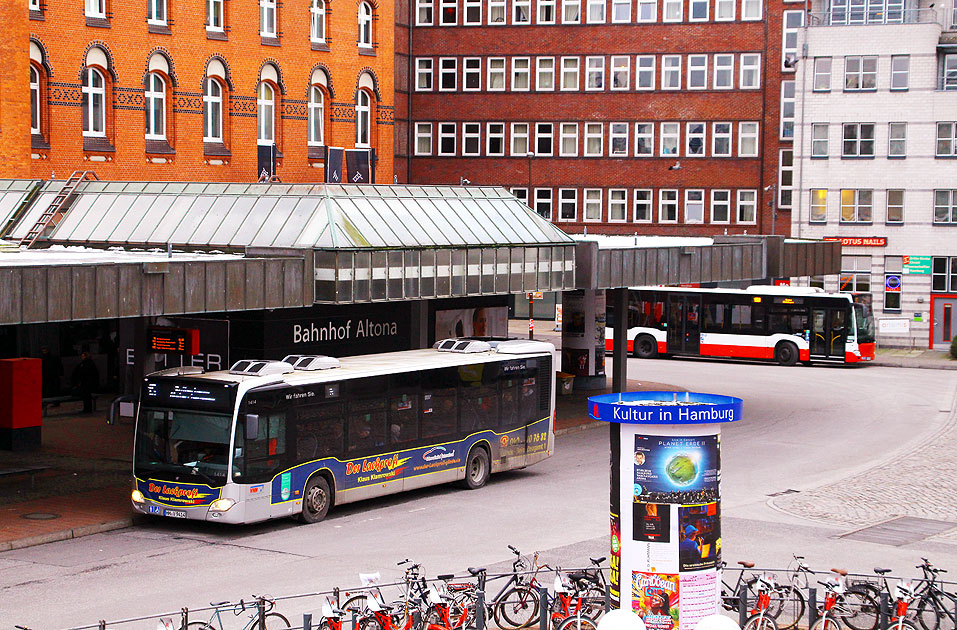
<point>269,439</point>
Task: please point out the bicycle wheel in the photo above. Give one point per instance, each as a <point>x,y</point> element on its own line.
<point>198,625</point>
<point>827,623</point>
<point>859,609</point>
<point>761,622</point>
<point>593,602</point>
<point>578,622</point>
<point>368,623</point>
<point>518,608</point>
<point>791,606</point>
<point>927,613</point>
<point>275,621</point>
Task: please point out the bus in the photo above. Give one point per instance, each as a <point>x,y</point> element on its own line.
<point>268,439</point>
<point>784,324</point>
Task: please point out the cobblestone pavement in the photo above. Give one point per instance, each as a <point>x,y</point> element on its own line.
<point>921,482</point>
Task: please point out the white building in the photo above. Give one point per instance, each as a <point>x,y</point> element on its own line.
<point>875,150</point>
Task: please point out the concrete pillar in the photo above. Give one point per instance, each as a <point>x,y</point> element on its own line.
<point>583,337</point>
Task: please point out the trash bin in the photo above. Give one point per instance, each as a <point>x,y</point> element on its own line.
<point>565,383</point>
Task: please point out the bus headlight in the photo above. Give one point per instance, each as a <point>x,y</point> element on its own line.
<point>137,497</point>
<point>221,505</point>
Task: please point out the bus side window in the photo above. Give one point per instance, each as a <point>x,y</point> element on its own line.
<point>741,318</point>
<point>510,409</point>
<point>530,401</point>
<point>713,317</point>
<point>440,410</point>
<point>265,454</point>
<point>319,431</point>
<point>366,428</point>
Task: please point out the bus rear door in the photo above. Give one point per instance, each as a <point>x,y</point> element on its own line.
<point>684,324</point>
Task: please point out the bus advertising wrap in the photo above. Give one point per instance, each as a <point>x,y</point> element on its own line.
<point>177,494</point>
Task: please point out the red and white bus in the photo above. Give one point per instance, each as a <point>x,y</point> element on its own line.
<point>785,324</point>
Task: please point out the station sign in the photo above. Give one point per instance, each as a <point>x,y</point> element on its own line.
<point>164,340</point>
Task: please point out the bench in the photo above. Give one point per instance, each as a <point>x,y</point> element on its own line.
<point>54,401</point>
<point>25,470</point>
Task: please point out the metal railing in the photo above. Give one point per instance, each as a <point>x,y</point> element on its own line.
<point>863,16</point>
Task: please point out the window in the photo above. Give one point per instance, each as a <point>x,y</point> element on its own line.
<point>471,138</point>
<point>949,81</point>
<point>155,97</point>
<point>793,21</point>
<point>423,138</point>
<point>267,18</point>
<point>448,12</point>
<point>544,136</point>
<point>567,204</point>
<point>822,74</point>
<point>895,206</point>
<point>724,10</point>
<point>423,12</point>
<point>423,75</point>
<point>694,139</point>
<point>747,206</point>
<point>698,10</point>
<point>33,5</point>
<point>618,139</point>
<point>750,10</point>
<point>265,113</point>
<point>617,205</point>
<point>900,68</point>
<point>521,70</point>
<point>620,11</point>
<point>592,204</point>
<point>495,139</point>
<point>697,72</point>
<point>568,142</point>
<point>785,177</point>
<point>317,21</point>
<point>595,11</point>
<point>818,205</point>
<point>819,140</point>
<point>896,139</point>
<point>893,274</point>
<point>723,72</point>
<point>521,194</point>
<point>594,139</point>
<point>94,103</point>
<point>816,282</point>
<point>594,73</point>
<point>747,139</point>
<point>95,8</point>
<point>855,273</point>
<point>860,73</point>
<point>647,11</point>
<point>447,138</point>
<point>945,206</point>
<point>670,133</point>
<point>645,72</point>
<point>946,139</point>
<point>546,11</point>
<point>156,12</point>
<point>642,207</point>
<point>520,146</point>
<point>570,67</point>
<point>214,15</point>
<point>545,74</point>
<point>543,202</point>
<point>858,140</point>
<point>571,11</point>
<point>363,118</point>
<point>448,72</point>
<point>694,206</point>
<point>496,11</point>
<point>672,10</point>
<point>34,101</point>
<point>720,206</point>
<point>620,72</point>
<point>473,12</point>
<point>856,206</point>
<point>212,111</point>
<point>521,12</point>
<point>472,73</point>
<point>940,270</point>
<point>496,73</point>
<point>671,72</point>
<point>365,25</point>
<point>721,139</point>
<point>667,206</point>
<point>750,71</point>
<point>644,139</point>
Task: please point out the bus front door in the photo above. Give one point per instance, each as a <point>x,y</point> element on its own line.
<point>828,333</point>
<point>684,324</point>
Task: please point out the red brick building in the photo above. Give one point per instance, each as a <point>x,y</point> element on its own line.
<point>619,116</point>
<point>194,89</point>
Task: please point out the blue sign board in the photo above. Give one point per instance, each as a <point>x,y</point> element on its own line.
<point>664,408</point>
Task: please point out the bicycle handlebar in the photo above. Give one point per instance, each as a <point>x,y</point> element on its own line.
<point>514,550</point>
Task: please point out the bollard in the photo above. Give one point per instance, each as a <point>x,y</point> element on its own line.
<point>261,611</point>
<point>811,606</point>
<point>883,611</point>
<point>416,619</point>
<point>480,610</point>
<point>607,597</point>
<point>742,605</point>
<point>306,621</point>
<point>185,614</point>
<point>353,619</point>
<point>543,608</point>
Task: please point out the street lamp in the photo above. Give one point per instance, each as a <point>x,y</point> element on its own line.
<point>772,204</point>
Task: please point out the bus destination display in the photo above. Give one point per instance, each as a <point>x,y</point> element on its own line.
<point>183,341</point>
<point>186,394</point>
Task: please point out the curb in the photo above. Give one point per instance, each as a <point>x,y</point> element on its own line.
<point>66,534</point>
<point>923,366</point>
<point>580,427</point>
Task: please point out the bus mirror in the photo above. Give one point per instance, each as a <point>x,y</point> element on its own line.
<point>252,426</point>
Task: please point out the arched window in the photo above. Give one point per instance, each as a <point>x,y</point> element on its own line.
<point>316,116</point>
<point>155,107</point>
<point>317,31</point>
<point>265,113</point>
<point>212,111</point>
<point>365,25</point>
<point>94,103</point>
<point>34,101</point>
<point>363,118</point>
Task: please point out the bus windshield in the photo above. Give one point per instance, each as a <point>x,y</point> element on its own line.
<point>864,319</point>
<point>178,443</point>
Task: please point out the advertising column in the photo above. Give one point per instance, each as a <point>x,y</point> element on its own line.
<point>666,502</point>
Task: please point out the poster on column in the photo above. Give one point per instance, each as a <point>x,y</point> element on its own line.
<point>678,470</point>
<point>700,529</point>
<point>654,598</point>
<point>698,597</point>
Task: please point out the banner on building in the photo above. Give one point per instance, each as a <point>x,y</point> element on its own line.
<point>334,157</point>
<point>359,166</point>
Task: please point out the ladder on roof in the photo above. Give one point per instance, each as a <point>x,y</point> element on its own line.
<point>58,207</point>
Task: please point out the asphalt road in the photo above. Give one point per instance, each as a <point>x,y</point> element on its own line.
<point>803,428</point>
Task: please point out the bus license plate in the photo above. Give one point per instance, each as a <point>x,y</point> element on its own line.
<point>175,513</point>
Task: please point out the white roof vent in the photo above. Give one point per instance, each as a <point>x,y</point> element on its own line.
<point>185,370</point>
<point>465,346</point>
<point>255,367</point>
<point>524,346</point>
<point>445,345</point>
<point>311,362</point>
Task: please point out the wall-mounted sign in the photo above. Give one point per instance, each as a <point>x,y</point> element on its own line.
<point>893,326</point>
<point>165,340</point>
<point>917,265</point>
<point>859,241</point>
<point>892,283</point>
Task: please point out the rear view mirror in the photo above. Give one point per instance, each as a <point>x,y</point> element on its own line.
<point>252,426</point>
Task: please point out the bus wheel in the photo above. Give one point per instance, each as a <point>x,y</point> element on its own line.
<point>316,500</point>
<point>646,347</point>
<point>786,353</point>
<point>477,469</point>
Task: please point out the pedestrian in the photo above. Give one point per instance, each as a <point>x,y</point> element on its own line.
<point>85,380</point>
<point>52,372</point>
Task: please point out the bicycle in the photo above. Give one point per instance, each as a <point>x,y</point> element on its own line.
<point>788,602</point>
<point>729,594</point>
<point>931,605</point>
<point>761,618</point>
<point>262,608</point>
<point>575,596</point>
<point>904,595</point>
<point>414,590</point>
